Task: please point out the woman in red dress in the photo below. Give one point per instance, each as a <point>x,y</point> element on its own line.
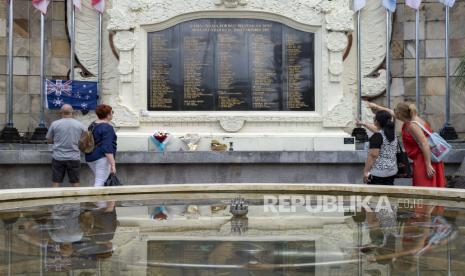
<point>425,172</point>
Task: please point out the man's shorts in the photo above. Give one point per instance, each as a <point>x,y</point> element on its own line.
<point>59,168</point>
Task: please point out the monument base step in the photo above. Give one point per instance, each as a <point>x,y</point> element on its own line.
<point>243,142</point>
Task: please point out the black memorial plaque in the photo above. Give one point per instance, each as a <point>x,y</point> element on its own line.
<point>231,64</point>
<point>232,74</point>
<point>164,78</point>
<point>198,65</point>
<point>298,76</point>
<point>265,63</point>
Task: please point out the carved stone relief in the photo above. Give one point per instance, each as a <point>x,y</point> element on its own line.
<point>232,124</point>
<point>373,43</point>
<point>336,41</point>
<point>86,49</point>
<point>115,72</point>
<point>124,116</point>
<point>125,41</point>
<point>336,44</point>
<point>126,14</point>
<point>337,116</point>
<point>231,3</point>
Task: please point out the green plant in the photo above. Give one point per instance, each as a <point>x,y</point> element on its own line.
<point>460,73</point>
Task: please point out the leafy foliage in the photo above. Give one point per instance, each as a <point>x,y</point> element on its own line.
<point>460,72</point>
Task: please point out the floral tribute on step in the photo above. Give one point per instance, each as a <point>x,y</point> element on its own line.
<point>161,139</point>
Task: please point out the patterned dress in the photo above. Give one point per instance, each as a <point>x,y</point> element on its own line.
<point>385,165</point>
<point>420,176</point>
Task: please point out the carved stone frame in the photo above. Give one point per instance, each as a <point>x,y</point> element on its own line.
<point>331,109</point>
<point>209,116</point>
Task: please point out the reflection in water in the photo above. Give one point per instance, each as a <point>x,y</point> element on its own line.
<point>59,238</point>
<point>231,257</point>
<point>410,240</point>
<point>201,237</point>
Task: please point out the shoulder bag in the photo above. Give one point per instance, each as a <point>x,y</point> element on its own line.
<point>438,146</point>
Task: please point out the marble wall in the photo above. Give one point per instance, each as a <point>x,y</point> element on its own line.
<point>432,63</point>
<point>27,52</point>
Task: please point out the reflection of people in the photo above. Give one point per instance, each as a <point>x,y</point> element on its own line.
<point>55,232</point>
<point>425,173</point>
<point>65,226</point>
<point>425,230</point>
<point>64,229</point>
<point>383,224</point>
<point>67,236</point>
<point>98,238</point>
<point>65,134</point>
<point>102,160</point>
<point>381,164</point>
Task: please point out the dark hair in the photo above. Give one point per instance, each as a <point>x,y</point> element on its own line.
<point>386,123</point>
<point>102,111</point>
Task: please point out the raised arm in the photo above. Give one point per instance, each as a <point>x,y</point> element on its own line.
<point>370,127</point>
<point>379,107</point>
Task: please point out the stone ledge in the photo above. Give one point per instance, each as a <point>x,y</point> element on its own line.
<point>204,189</point>
<point>16,157</point>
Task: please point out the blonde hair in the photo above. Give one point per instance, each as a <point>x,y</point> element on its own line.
<point>406,110</point>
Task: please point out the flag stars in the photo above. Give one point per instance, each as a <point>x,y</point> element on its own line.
<point>81,96</point>
<point>58,102</point>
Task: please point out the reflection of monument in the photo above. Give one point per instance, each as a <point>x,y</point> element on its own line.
<point>285,242</point>
<point>239,221</point>
<point>263,76</point>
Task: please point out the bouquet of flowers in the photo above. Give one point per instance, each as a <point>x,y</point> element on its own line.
<point>191,141</point>
<point>159,213</point>
<point>161,139</point>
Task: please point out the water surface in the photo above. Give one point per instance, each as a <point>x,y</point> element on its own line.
<point>197,235</point>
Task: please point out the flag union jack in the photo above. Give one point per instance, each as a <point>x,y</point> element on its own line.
<point>59,87</point>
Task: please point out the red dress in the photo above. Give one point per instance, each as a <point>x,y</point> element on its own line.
<point>420,177</point>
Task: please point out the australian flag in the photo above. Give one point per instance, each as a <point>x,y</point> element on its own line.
<point>81,95</point>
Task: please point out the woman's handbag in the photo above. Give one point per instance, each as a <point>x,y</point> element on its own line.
<point>404,170</point>
<point>438,146</point>
<point>113,180</point>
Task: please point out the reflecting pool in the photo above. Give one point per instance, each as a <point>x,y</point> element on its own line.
<point>229,234</point>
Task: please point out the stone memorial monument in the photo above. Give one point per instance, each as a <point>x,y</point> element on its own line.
<point>265,75</point>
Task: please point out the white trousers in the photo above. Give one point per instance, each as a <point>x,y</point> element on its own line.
<point>101,169</point>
